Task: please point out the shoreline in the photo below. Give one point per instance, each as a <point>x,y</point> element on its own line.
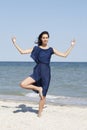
<point>37,103</point>
<point>51,99</point>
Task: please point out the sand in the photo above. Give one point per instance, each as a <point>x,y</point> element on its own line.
<point>21,115</point>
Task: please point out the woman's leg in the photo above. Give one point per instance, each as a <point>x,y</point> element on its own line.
<point>28,84</point>
<point>41,105</point>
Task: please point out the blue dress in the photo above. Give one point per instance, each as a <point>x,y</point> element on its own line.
<point>41,72</point>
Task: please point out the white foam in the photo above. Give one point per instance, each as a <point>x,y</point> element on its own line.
<point>34,95</point>
<point>60,99</point>
<point>50,97</point>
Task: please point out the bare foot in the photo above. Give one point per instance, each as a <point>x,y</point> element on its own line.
<point>40,93</point>
<point>39,114</point>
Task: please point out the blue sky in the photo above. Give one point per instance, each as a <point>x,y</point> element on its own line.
<point>26,19</point>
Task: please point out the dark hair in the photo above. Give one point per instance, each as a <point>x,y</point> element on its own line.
<point>39,42</point>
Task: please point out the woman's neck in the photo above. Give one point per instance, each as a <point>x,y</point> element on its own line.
<point>43,46</point>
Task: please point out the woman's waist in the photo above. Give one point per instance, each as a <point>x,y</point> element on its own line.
<point>42,65</point>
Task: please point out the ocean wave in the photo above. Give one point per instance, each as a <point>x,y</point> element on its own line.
<point>56,100</point>
<point>63,100</point>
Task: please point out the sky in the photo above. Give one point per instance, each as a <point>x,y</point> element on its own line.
<point>26,19</point>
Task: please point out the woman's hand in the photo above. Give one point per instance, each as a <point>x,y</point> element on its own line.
<point>14,40</point>
<point>73,42</point>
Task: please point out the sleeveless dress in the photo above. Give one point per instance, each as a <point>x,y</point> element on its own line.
<point>41,72</point>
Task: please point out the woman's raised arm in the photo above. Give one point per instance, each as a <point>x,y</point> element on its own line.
<point>19,49</point>
<point>65,54</point>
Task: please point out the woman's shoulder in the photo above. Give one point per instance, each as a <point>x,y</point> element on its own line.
<point>35,47</point>
<point>52,50</point>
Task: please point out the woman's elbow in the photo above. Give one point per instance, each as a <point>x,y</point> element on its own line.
<point>65,55</point>
<point>21,52</point>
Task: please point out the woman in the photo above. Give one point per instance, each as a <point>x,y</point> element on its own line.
<point>40,78</point>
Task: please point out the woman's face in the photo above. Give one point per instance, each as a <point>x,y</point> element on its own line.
<point>44,39</point>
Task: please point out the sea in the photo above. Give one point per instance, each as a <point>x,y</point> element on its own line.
<point>68,84</point>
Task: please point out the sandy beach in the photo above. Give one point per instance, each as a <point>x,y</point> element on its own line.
<point>22,115</point>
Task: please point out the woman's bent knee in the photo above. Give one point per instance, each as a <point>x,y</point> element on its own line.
<point>28,81</point>
<point>22,85</point>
